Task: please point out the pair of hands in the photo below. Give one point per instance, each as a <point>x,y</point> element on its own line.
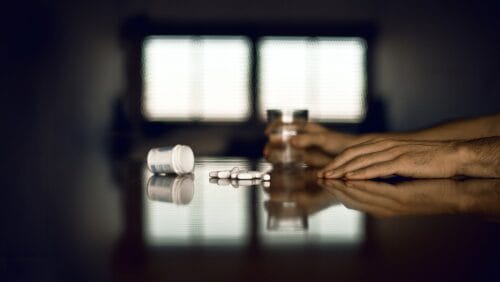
<point>354,157</point>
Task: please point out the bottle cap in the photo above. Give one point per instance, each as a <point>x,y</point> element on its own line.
<point>182,159</point>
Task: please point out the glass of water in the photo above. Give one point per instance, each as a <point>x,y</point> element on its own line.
<point>282,125</point>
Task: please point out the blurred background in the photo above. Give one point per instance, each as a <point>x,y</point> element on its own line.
<point>80,88</point>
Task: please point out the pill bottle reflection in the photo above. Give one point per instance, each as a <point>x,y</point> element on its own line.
<point>171,189</point>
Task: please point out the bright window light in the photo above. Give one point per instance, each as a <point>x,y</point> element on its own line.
<point>190,78</point>
<point>214,215</point>
<point>326,75</point>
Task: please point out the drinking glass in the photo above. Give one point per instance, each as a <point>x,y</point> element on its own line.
<point>282,125</point>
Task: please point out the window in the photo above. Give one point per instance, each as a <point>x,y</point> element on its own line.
<point>325,75</point>
<point>210,77</point>
<point>190,78</point>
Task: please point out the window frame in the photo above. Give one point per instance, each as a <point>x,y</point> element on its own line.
<point>136,30</point>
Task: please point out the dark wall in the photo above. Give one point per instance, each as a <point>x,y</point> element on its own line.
<point>434,60</point>
<point>438,60</point>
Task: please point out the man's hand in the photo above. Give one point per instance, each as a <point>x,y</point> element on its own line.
<point>318,143</point>
<point>330,142</point>
<point>386,157</point>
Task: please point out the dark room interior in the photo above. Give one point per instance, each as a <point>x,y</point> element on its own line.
<point>76,133</point>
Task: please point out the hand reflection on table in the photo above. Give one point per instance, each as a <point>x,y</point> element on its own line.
<point>293,196</point>
<point>171,189</point>
<point>419,197</point>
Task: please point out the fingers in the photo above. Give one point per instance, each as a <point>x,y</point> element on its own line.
<point>361,149</point>
<point>275,139</point>
<point>308,140</point>
<point>330,184</point>
<point>366,160</point>
<point>312,127</point>
<point>314,135</point>
<point>313,157</point>
<point>316,158</point>
<point>271,126</point>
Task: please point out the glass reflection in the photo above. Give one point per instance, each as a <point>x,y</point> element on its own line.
<point>297,209</point>
<point>178,190</point>
<point>285,212</point>
<point>419,197</point>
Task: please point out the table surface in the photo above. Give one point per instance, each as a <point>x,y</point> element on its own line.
<point>299,227</point>
<point>113,220</point>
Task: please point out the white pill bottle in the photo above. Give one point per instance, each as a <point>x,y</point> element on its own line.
<point>178,159</point>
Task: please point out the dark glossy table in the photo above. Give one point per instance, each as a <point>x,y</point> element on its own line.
<point>297,227</point>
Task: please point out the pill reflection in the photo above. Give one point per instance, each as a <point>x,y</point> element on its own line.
<point>171,189</point>
<point>236,183</point>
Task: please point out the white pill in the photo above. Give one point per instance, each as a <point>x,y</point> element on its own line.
<point>266,177</point>
<point>256,182</point>
<point>248,182</point>
<point>224,174</point>
<point>255,174</point>
<point>266,184</point>
<point>245,175</point>
<point>213,174</point>
<point>234,183</point>
<point>245,182</point>
<point>234,172</point>
<point>223,182</point>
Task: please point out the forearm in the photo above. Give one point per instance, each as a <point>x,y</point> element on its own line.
<point>455,130</point>
<point>480,157</point>
<point>461,129</point>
